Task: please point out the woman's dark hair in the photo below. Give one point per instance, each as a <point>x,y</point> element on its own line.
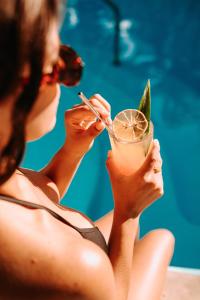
<point>24,25</point>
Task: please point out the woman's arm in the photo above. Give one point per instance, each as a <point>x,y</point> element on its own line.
<point>132,194</point>
<point>62,168</point>
<point>105,224</point>
<point>121,244</point>
<point>81,130</point>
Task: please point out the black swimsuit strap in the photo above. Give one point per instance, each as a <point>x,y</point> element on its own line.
<point>39,206</point>
<point>93,233</point>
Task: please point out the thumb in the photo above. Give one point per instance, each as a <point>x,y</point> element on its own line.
<point>110,164</point>
<point>96,128</point>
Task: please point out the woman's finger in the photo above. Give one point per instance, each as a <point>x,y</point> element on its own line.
<point>153,158</point>
<point>84,117</point>
<point>156,167</point>
<point>79,112</point>
<point>159,183</point>
<point>103,101</point>
<point>78,105</point>
<point>112,167</point>
<point>83,111</point>
<point>96,103</point>
<point>100,100</point>
<point>156,164</point>
<point>96,128</point>
<point>104,112</point>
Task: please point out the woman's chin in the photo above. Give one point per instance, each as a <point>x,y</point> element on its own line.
<point>38,132</point>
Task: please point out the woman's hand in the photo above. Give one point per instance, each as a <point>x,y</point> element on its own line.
<point>81,124</point>
<point>133,193</point>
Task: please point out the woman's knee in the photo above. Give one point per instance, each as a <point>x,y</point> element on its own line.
<point>166,235</point>
<point>162,236</point>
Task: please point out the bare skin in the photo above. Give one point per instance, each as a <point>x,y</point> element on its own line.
<point>151,254</point>
<point>154,250</point>
<point>40,256</point>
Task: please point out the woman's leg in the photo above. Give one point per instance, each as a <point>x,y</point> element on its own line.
<point>151,257</point>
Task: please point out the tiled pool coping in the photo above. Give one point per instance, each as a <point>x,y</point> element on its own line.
<point>185,270</point>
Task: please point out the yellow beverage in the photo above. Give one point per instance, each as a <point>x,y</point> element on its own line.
<point>129,149</point>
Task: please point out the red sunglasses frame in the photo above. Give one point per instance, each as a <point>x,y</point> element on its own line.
<point>67,70</point>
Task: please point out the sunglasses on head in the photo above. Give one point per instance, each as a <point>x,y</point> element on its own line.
<point>67,70</point>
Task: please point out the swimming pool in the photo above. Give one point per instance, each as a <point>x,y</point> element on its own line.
<point>159,40</point>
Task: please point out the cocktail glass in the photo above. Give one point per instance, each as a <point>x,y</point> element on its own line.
<point>130,155</point>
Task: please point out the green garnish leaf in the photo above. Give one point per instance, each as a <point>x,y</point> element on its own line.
<point>145,104</point>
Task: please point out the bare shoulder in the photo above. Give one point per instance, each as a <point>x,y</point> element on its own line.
<point>43,182</point>
<point>70,266</point>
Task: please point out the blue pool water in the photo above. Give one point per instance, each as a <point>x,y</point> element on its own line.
<point>159,40</point>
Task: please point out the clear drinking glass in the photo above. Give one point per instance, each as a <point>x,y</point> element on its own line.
<point>130,155</point>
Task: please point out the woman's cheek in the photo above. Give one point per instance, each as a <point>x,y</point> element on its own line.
<point>43,117</point>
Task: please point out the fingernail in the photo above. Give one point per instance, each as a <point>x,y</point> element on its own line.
<point>100,126</point>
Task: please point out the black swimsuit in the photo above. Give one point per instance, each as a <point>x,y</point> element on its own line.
<point>93,234</point>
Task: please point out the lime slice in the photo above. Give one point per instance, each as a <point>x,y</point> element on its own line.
<point>129,124</point>
<point>145,104</point>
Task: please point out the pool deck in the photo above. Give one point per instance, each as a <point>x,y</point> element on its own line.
<point>182,284</point>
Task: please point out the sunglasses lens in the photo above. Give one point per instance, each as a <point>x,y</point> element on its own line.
<point>70,66</point>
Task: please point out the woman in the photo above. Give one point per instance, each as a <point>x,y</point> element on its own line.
<point>49,251</point>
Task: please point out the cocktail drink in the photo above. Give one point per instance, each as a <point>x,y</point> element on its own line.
<point>132,135</point>
<point>130,155</point>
